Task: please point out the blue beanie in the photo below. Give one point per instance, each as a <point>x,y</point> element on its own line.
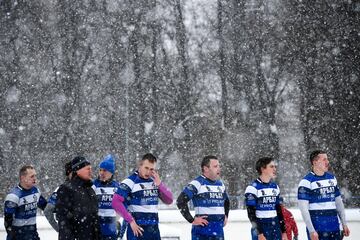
<point>108,164</point>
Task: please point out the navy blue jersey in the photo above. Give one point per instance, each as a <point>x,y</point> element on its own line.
<point>264,199</point>
<point>107,215</point>
<point>263,196</point>
<point>321,192</point>
<point>23,204</point>
<point>208,198</point>
<point>53,197</point>
<point>141,197</point>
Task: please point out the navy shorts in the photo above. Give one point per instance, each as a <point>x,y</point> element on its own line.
<point>328,235</point>
<point>150,232</point>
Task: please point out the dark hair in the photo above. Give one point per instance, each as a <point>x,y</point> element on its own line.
<point>150,157</point>
<point>262,162</point>
<point>23,169</point>
<point>315,154</point>
<point>206,161</point>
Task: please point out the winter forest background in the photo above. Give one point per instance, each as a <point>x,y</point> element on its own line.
<point>239,79</point>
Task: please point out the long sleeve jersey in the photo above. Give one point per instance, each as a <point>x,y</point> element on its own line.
<point>20,210</point>
<point>138,198</point>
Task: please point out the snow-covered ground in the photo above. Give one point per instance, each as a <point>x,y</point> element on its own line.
<point>238,227</point>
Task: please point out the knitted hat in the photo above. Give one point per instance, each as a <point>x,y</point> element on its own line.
<point>78,163</point>
<point>108,164</point>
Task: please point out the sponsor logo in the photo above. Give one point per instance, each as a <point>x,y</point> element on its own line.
<point>30,206</point>
<point>190,187</point>
<point>327,190</point>
<point>106,197</point>
<point>216,195</point>
<point>10,204</point>
<point>250,197</point>
<point>269,199</point>
<point>151,193</point>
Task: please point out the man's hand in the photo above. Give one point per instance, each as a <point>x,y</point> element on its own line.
<point>137,230</point>
<point>284,236</point>
<point>261,237</point>
<point>156,177</point>
<point>225,221</point>
<point>200,221</point>
<point>346,231</point>
<point>314,236</point>
<point>295,237</point>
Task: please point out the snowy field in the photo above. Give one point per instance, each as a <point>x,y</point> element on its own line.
<point>238,227</point>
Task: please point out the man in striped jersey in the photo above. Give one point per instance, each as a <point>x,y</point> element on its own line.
<point>105,187</point>
<point>210,201</point>
<point>140,192</point>
<point>320,201</point>
<point>263,205</point>
<point>21,205</point>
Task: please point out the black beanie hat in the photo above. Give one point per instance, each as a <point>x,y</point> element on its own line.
<point>68,168</point>
<point>78,163</point>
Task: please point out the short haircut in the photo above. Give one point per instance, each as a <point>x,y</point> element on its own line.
<point>206,161</point>
<point>23,170</point>
<point>150,157</point>
<point>314,155</point>
<point>262,162</point>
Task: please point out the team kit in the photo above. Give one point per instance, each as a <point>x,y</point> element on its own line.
<point>85,209</point>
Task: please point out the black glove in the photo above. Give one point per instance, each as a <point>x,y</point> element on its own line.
<point>295,238</point>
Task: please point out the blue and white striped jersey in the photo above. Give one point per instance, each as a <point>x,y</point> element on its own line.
<point>321,192</point>
<point>142,198</point>
<point>263,196</point>
<point>208,198</point>
<point>53,197</point>
<point>107,215</point>
<point>23,205</point>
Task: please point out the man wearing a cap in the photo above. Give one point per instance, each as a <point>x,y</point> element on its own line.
<point>76,205</point>
<point>49,211</point>
<point>104,187</point>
